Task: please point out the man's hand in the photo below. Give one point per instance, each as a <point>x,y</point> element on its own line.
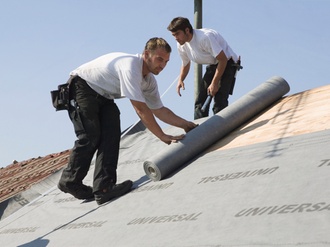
<point>168,139</point>
<point>189,126</point>
<point>183,73</point>
<point>213,89</point>
<point>179,86</point>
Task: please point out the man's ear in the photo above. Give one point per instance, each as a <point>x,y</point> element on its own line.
<point>146,53</point>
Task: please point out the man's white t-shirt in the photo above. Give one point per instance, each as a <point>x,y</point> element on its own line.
<point>118,75</point>
<point>204,46</point>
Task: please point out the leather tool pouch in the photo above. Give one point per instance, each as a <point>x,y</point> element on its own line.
<point>60,97</point>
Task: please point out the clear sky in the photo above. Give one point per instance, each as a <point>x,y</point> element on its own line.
<point>42,41</point>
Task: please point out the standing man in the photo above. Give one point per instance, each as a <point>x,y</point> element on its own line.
<point>95,116</point>
<point>206,46</point>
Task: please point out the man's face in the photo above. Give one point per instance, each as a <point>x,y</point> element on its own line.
<point>157,60</point>
<point>181,36</point>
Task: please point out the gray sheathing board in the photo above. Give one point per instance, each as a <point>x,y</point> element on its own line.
<point>216,127</point>
<point>265,194</point>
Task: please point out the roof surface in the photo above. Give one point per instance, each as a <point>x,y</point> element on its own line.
<point>263,184</point>
<point>20,176</point>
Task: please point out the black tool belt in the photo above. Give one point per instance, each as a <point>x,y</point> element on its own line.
<point>61,96</point>
<point>230,63</point>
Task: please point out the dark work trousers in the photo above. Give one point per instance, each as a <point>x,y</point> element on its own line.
<point>96,122</point>
<point>221,97</point>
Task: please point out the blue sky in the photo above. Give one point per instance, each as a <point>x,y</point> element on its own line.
<point>42,41</point>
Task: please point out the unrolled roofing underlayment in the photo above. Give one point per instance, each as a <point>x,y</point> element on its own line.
<point>169,159</point>
<point>263,184</point>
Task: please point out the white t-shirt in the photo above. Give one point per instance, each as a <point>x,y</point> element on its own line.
<point>118,75</point>
<point>203,48</point>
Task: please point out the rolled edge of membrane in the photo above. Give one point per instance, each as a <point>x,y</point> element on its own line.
<point>158,166</point>
<point>152,171</point>
<point>284,84</point>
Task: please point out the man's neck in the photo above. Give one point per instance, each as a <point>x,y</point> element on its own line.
<point>190,36</point>
<point>145,70</point>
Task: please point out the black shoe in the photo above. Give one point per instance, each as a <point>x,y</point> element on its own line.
<point>79,191</point>
<point>114,190</point>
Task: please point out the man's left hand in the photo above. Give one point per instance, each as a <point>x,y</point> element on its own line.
<point>213,89</point>
<point>189,126</point>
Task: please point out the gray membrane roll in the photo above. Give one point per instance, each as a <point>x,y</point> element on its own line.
<point>197,140</point>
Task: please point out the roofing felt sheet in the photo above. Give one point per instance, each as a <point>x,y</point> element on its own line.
<point>236,197</point>
<point>267,189</point>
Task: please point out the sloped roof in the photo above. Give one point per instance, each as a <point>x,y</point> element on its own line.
<point>20,176</point>
<point>263,184</point>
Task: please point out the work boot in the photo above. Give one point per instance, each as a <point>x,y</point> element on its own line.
<point>79,191</point>
<point>113,191</point>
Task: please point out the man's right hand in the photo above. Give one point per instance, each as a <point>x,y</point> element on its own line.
<point>168,139</point>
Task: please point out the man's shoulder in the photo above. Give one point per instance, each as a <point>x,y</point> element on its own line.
<point>119,55</point>
<point>125,60</point>
<point>206,31</point>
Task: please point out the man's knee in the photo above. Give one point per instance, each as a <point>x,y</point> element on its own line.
<point>90,141</point>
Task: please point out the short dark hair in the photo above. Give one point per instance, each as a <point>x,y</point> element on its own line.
<point>179,23</point>
<point>155,43</point>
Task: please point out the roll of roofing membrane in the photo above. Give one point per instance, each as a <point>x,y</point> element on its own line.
<point>197,140</point>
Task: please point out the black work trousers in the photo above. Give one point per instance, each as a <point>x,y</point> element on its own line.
<point>96,122</point>
<point>221,97</point>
